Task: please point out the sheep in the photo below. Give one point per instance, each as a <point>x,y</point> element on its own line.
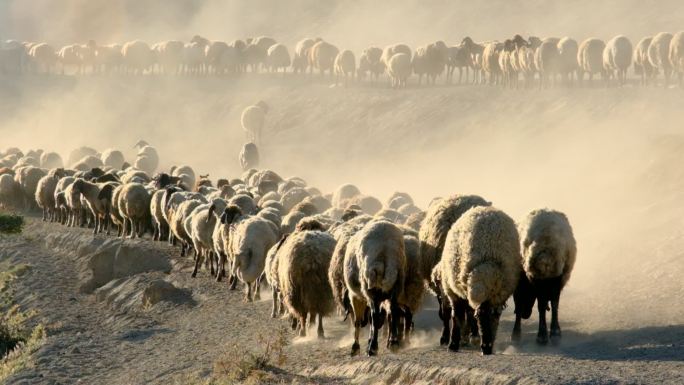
<point>458,57</point>
<point>43,57</point>
<point>112,158</point>
<point>108,58</point>
<point>147,157</point>
<point>213,56</point>
<point>160,226</point>
<point>548,256</point>
<point>370,61</point>
<point>526,52</point>
<point>303,262</point>
<point>244,202</point>
<point>474,52</point>
<point>374,271</point>
<point>300,59</point>
<point>74,206</point>
<point>278,58</point>
<point>249,156</point>
<point>70,55</point>
<point>27,178</point>
<point>185,173</point>
<point>368,204</point>
<point>677,56</point>
<point>292,197</point>
<point>399,70</point>
<point>202,224</point>
<point>480,268</point>
<point>249,240</point>
<point>321,203</point>
<point>658,52</point>
<point>508,65</point>
<point>137,57</point>
<point>642,66</point>
<point>567,59</point>
<point>392,50</point>
<point>322,56</point>
<point>252,121</point>
<point>51,160</point>
<point>415,220</point>
<point>490,61</point>
<point>134,204</point>
<point>254,56</point>
<point>63,211</point>
<point>546,60</point>
<point>45,194</point>
<point>170,56</point>
<point>617,58</point>
<point>9,191</point>
<point>590,58</point>
<point>345,65</point>
<point>80,153</point>
<point>179,206</point>
<point>91,192</point>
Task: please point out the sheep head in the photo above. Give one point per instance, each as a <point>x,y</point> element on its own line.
<point>230,213</point>
<point>487,317</point>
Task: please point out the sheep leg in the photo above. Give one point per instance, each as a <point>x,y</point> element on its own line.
<point>275,310</point>
<point>394,341</point>
<point>211,263</point>
<point>471,323</point>
<point>542,305</point>
<point>484,321</point>
<point>198,261</point>
<point>458,310</point>
<point>321,333</point>
<point>257,289</point>
<point>220,267</point>
<point>358,316</point>
<point>408,325</point>
<point>444,313</point>
<point>248,293</point>
<point>555,299</point>
<point>376,324</point>
<point>302,326</point>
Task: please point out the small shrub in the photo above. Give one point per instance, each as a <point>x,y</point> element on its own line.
<point>11,223</point>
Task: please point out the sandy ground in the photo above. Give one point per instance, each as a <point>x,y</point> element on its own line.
<point>90,342</point>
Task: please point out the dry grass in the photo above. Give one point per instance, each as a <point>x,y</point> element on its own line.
<point>17,340</point>
<point>11,223</point>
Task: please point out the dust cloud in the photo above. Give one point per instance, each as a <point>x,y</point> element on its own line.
<point>611,159</point>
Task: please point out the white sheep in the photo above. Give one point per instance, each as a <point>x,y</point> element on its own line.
<point>548,257</point>
<point>399,70</point>
<point>134,205</point>
<point>374,271</point>
<point>137,57</point>
<point>250,239</point>
<point>617,58</point>
<point>546,60</point>
<point>490,61</point>
<point>370,61</point>
<point>277,58</point>
<point>303,260</point>
<point>300,59</point>
<point>590,58</point>
<point>345,65</point>
<point>170,56</point>
<point>322,56</point>
<point>658,54</point>
<point>113,158</point>
<point>252,121</point>
<point>567,59</point>
<point>677,55</point>
<point>42,57</point>
<point>480,268</point>
<point>642,66</point>
<point>51,160</point>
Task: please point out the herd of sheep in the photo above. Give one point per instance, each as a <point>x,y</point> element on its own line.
<point>321,254</point>
<point>540,62</point>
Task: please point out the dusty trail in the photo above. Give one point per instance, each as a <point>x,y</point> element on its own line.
<point>125,343</point>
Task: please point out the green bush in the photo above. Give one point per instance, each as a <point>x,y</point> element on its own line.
<point>11,223</point>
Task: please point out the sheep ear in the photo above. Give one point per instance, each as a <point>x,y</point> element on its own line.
<point>224,218</point>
